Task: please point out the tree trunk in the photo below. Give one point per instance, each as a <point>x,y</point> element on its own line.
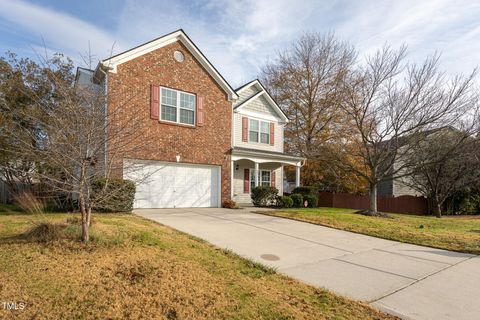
<point>85,220</point>
<point>437,208</point>
<point>373,198</point>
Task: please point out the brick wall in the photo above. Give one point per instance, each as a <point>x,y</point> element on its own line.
<point>129,89</point>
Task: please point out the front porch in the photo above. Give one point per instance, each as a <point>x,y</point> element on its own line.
<point>251,168</point>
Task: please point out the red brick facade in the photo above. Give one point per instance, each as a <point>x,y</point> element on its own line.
<point>208,144</point>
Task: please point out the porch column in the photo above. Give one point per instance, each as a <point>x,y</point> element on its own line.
<point>297,176</point>
<point>257,171</point>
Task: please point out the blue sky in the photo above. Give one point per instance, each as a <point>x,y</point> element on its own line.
<point>240,36</point>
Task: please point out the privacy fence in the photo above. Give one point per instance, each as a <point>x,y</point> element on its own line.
<point>402,204</point>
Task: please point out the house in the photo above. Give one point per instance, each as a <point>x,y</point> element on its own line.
<point>212,143</point>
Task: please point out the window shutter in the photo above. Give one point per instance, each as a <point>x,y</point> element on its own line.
<point>200,112</point>
<point>272,133</point>
<point>244,129</point>
<point>272,178</point>
<point>154,101</point>
<point>246,180</point>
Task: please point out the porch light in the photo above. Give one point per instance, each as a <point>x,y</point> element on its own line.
<point>237,166</point>
<point>177,157</point>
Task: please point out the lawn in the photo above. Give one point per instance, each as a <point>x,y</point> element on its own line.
<point>134,268</point>
<point>451,233</point>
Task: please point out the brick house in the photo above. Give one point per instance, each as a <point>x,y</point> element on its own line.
<point>212,143</point>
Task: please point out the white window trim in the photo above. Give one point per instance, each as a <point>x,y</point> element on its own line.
<point>259,131</point>
<point>178,108</point>
<point>252,181</point>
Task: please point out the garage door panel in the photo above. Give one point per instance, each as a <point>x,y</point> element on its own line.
<point>169,185</point>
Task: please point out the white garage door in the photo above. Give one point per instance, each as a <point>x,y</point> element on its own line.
<point>173,185</point>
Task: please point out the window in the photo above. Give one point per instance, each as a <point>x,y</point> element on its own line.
<point>177,106</point>
<point>264,179</point>
<point>259,131</point>
<point>264,132</point>
<point>253,131</point>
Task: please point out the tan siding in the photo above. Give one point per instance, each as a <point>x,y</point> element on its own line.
<point>246,93</point>
<point>237,131</point>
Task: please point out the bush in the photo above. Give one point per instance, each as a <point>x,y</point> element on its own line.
<point>311,199</point>
<point>285,202</point>
<point>264,195</point>
<point>297,200</point>
<point>230,204</point>
<point>45,232</point>
<point>113,195</point>
<point>304,190</point>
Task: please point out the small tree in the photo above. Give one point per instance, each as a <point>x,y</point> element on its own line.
<point>448,162</point>
<point>391,103</point>
<point>80,139</point>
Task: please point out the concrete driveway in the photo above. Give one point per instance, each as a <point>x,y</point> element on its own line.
<point>409,281</point>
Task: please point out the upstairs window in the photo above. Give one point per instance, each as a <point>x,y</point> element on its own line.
<point>259,131</point>
<point>177,106</point>
<point>253,131</point>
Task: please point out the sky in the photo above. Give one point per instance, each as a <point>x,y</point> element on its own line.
<point>239,37</point>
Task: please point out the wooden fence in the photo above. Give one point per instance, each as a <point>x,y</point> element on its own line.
<point>402,204</point>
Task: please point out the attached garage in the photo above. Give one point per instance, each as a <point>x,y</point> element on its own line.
<point>173,185</point>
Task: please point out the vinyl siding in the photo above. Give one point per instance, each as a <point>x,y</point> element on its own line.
<point>246,93</point>
<point>237,131</point>
<point>261,106</point>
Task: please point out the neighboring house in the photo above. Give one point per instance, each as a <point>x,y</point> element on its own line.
<point>212,143</point>
<point>396,188</point>
<point>401,186</point>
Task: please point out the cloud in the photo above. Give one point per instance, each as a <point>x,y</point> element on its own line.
<point>238,37</point>
<point>61,32</point>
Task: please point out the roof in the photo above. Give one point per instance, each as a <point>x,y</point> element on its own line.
<point>262,92</point>
<point>267,152</point>
<point>179,35</point>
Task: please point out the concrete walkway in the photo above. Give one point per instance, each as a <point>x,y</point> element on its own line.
<point>409,281</point>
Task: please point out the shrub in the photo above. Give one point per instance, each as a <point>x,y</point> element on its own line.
<point>264,195</point>
<point>285,202</point>
<point>45,232</point>
<point>113,195</point>
<point>311,199</point>
<point>230,204</point>
<point>297,200</point>
<point>304,190</point>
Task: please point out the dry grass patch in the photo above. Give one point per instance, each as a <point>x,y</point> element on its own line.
<point>136,269</point>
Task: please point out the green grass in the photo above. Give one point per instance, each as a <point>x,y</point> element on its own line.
<point>134,268</point>
<point>460,234</point>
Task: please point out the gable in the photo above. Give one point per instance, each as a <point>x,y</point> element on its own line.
<point>245,94</point>
<point>253,97</point>
<point>112,63</point>
<point>261,105</point>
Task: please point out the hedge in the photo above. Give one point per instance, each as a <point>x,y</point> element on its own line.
<point>113,195</point>
<point>264,195</point>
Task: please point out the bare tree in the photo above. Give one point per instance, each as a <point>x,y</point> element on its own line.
<point>80,139</point>
<point>390,103</point>
<point>306,80</point>
<point>446,163</point>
